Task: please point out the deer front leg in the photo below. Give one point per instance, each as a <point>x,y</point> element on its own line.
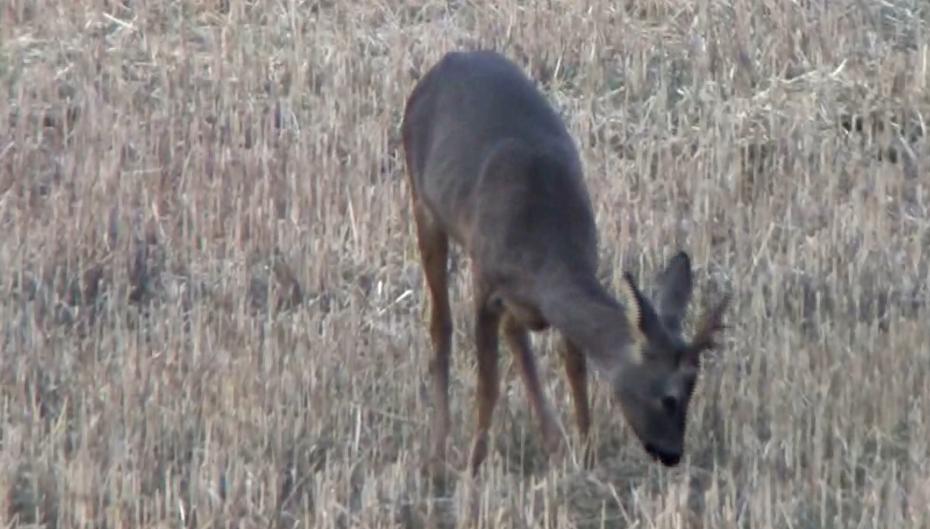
<point>486,329</point>
<point>434,252</point>
<point>577,372</point>
<point>518,340</point>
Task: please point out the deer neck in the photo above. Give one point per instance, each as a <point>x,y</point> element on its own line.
<point>587,315</point>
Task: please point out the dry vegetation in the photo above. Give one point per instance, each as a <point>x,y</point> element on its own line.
<point>212,308</point>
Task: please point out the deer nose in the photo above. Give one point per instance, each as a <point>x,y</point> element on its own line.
<point>669,458</point>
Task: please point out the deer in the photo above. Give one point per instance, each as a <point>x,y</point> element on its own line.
<point>491,166</point>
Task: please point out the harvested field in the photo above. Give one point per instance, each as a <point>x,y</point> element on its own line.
<point>212,312</point>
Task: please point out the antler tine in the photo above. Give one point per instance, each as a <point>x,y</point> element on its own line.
<point>711,323</point>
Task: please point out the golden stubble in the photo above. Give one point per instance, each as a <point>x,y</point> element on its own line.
<point>212,301</point>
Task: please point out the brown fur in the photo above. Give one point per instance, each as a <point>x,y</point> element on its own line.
<point>491,165</point>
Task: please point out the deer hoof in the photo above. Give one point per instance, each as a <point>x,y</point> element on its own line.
<point>479,451</point>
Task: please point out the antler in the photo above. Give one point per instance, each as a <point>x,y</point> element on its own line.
<point>711,323</point>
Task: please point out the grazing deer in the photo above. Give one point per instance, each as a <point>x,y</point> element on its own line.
<point>491,165</point>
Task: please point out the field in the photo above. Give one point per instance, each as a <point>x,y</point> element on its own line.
<point>212,312</point>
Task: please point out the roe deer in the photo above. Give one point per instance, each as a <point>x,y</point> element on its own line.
<point>491,165</point>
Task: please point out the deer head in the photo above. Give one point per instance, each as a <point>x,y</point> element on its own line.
<point>654,388</point>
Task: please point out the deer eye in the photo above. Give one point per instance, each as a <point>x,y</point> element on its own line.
<point>670,403</point>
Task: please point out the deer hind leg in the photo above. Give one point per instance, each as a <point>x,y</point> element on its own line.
<point>434,253</point>
<point>487,324</point>
<point>518,340</point>
<point>577,371</point>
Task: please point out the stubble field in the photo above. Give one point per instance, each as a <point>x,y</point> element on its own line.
<point>213,313</point>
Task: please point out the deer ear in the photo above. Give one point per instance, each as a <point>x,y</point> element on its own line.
<point>634,310</point>
<point>675,288</point>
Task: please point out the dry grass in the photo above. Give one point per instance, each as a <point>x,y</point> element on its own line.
<point>212,308</point>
